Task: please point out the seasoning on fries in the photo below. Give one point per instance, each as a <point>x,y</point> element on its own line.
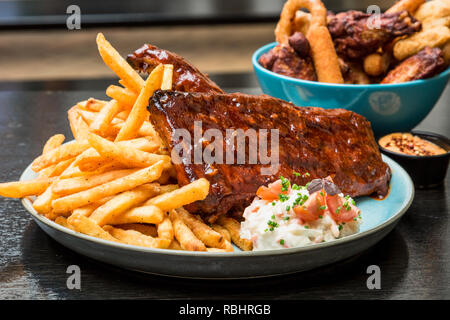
<point>115,181</point>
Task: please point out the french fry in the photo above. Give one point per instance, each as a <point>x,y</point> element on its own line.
<point>63,222</point>
<point>197,190</point>
<point>117,64</point>
<point>88,116</point>
<point>126,155</point>
<point>223,231</point>
<point>56,169</point>
<point>147,129</point>
<point>234,228</point>
<point>228,246</point>
<point>136,238</point>
<point>88,209</point>
<point>91,159</point>
<point>104,117</point>
<point>117,124</point>
<point>146,214</point>
<point>165,229</point>
<point>184,235</point>
<point>65,187</point>
<point>165,178</point>
<point>53,143</point>
<point>43,203</point>
<point>175,245</point>
<point>85,225</point>
<point>91,104</point>
<point>21,189</point>
<point>167,77</point>
<point>146,229</point>
<point>45,173</point>
<point>207,235</point>
<point>124,201</point>
<point>80,199</point>
<point>123,115</point>
<point>139,111</point>
<point>124,96</point>
<point>64,152</point>
<point>142,144</point>
<point>72,172</point>
<point>78,126</point>
<point>102,165</point>
<point>168,188</point>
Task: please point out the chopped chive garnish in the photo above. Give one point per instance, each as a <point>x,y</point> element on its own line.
<point>284,184</point>
<point>281,241</point>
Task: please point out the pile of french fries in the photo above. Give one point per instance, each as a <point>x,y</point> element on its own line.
<point>113,180</point>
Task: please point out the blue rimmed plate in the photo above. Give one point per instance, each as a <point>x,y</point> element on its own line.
<point>379,218</point>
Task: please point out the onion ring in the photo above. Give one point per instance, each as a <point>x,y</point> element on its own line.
<point>323,52</point>
<point>287,18</point>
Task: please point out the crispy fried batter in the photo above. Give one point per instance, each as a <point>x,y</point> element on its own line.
<point>435,18</point>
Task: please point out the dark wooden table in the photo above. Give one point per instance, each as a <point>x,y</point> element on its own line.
<point>414,258</point>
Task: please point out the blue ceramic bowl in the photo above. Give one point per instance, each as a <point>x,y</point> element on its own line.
<point>389,107</point>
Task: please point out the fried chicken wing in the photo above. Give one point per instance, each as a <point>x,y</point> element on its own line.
<point>292,61</point>
<point>425,64</point>
<point>354,36</point>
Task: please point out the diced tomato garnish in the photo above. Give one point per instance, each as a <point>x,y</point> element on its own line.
<point>338,211</point>
<point>312,208</point>
<point>271,192</point>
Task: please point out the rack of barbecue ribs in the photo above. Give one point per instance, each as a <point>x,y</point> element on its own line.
<point>312,142</point>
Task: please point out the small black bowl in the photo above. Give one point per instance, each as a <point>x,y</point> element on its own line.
<point>425,171</point>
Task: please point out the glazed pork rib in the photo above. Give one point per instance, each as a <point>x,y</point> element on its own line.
<point>186,77</point>
<point>312,140</point>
